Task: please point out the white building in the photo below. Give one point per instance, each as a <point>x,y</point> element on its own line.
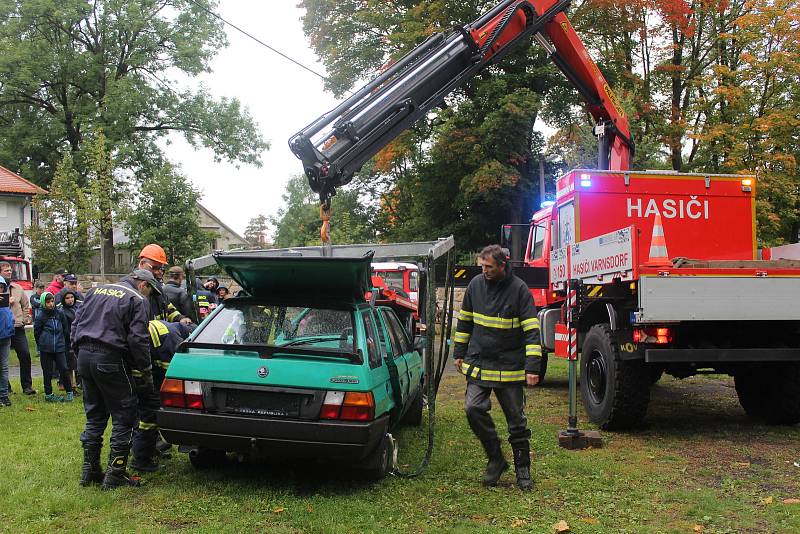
<point>16,211</point>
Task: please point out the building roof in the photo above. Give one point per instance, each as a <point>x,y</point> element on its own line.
<point>221,224</point>
<point>11,182</point>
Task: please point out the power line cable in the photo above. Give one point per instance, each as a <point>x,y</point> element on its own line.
<point>256,39</point>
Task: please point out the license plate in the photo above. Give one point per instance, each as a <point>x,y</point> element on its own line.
<point>262,403</point>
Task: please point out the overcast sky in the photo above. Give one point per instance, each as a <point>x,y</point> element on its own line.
<point>281,97</point>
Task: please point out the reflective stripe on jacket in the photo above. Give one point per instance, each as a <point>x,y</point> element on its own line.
<point>497,334</point>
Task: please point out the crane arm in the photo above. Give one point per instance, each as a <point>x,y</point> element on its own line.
<point>335,146</point>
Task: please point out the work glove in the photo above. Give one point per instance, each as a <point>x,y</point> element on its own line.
<point>143,380</point>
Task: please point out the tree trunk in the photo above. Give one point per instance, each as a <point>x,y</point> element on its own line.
<point>107,251</point>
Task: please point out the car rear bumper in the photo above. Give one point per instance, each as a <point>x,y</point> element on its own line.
<point>344,440</point>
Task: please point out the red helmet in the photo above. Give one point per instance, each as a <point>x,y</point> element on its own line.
<point>155,253</point>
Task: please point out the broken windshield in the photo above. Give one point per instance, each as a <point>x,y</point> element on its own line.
<point>279,326</point>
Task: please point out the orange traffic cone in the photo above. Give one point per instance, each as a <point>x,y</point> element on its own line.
<point>659,257</point>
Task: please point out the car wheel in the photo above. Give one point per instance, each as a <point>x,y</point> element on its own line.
<point>615,392</point>
<point>379,462</point>
<point>203,458</point>
<point>413,416</point>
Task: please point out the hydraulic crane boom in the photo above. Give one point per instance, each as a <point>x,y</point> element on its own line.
<point>336,145</point>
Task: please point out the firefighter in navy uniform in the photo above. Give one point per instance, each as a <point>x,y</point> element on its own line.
<point>110,337</point>
<point>153,258</point>
<point>497,348</point>
<point>164,340</point>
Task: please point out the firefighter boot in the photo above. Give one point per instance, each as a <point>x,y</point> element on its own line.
<point>91,472</point>
<point>522,465</point>
<point>116,474</point>
<point>496,464</point>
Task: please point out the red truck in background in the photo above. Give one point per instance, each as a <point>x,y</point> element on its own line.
<point>662,265</point>
<point>13,252</point>
<point>666,279</point>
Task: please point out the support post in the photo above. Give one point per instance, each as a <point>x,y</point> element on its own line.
<point>573,438</point>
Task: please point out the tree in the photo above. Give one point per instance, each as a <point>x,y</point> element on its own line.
<point>103,194</point>
<point>70,67</point>
<point>60,233</point>
<point>165,212</point>
<point>256,231</point>
<point>298,224</point>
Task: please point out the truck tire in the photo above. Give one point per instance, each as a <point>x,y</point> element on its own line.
<point>771,392</point>
<point>203,458</point>
<point>413,416</point>
<point>378,463</point>
<point>615,392</point>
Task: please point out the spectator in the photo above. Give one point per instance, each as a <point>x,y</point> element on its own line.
<point>49,330</point>
<point>69,307</point>
<point>20,309</point>
<point>222,293</point>
<point>6,333</point>
<point>176,293</point>
<point>38,289</point>
<point>211,284</point>
<point>70,284</point>
<point>58,282</point>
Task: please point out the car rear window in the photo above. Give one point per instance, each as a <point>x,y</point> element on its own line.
<point>279,326</point>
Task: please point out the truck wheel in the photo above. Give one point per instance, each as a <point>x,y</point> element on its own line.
<point>615,393</point>
<point>378,463</point>
<point>203,458</point>
<point>655,374</point>
<point>413,416</point>
<point>771,392</point>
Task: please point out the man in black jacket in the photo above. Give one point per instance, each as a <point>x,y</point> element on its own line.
<point>176,293</point>
<point>497,348</point>
<point>111,339</point>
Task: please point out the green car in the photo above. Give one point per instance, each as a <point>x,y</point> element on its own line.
<point>305,366</point>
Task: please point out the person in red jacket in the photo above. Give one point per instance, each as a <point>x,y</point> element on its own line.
<point>57,284</point>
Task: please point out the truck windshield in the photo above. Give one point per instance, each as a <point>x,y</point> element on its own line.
<point>393,279</point>
<point>279,326</point>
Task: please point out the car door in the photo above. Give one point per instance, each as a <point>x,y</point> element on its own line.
<point>396,351</point>
<point>412,361</point>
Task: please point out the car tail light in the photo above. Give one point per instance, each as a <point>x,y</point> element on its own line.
<point>332,405</point>
<point>350,406</point>
<point>660,336</point>
<point>358,407</point>
<point>193,394</point>
<point>182,394</point>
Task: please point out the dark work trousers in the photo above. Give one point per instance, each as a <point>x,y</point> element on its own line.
<point>108,390</point>
<point>59,361</point>
<point>72,365</point>
<point>19,342</point>
<point>145,434</point>
<point>477,403</point>
<point>159,374</point>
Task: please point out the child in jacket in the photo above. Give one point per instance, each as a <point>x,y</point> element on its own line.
<point>50,330</point>
<point>6,333</point>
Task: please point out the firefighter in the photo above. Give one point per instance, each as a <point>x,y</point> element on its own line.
<point>497,348</point>
<point>164,339</point>
<point>153,258</point>
<point>110,338</point>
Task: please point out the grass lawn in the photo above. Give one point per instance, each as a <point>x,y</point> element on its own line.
<point>698,466</point>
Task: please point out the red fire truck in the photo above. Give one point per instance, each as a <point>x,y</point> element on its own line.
<point>642,272</point>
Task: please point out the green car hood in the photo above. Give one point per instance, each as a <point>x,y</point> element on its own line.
<point>298,279</point>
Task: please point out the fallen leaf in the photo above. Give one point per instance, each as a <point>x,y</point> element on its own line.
<point>698,528</point>
<point>30,408</point>
<point>517,523</point>
<point>561,527</point>
<point>309,509</point>
<point>791,501</point>
<point>741,465</point>
<point>767,500</point>
<point>279,510</point>
<point>590,520</point>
